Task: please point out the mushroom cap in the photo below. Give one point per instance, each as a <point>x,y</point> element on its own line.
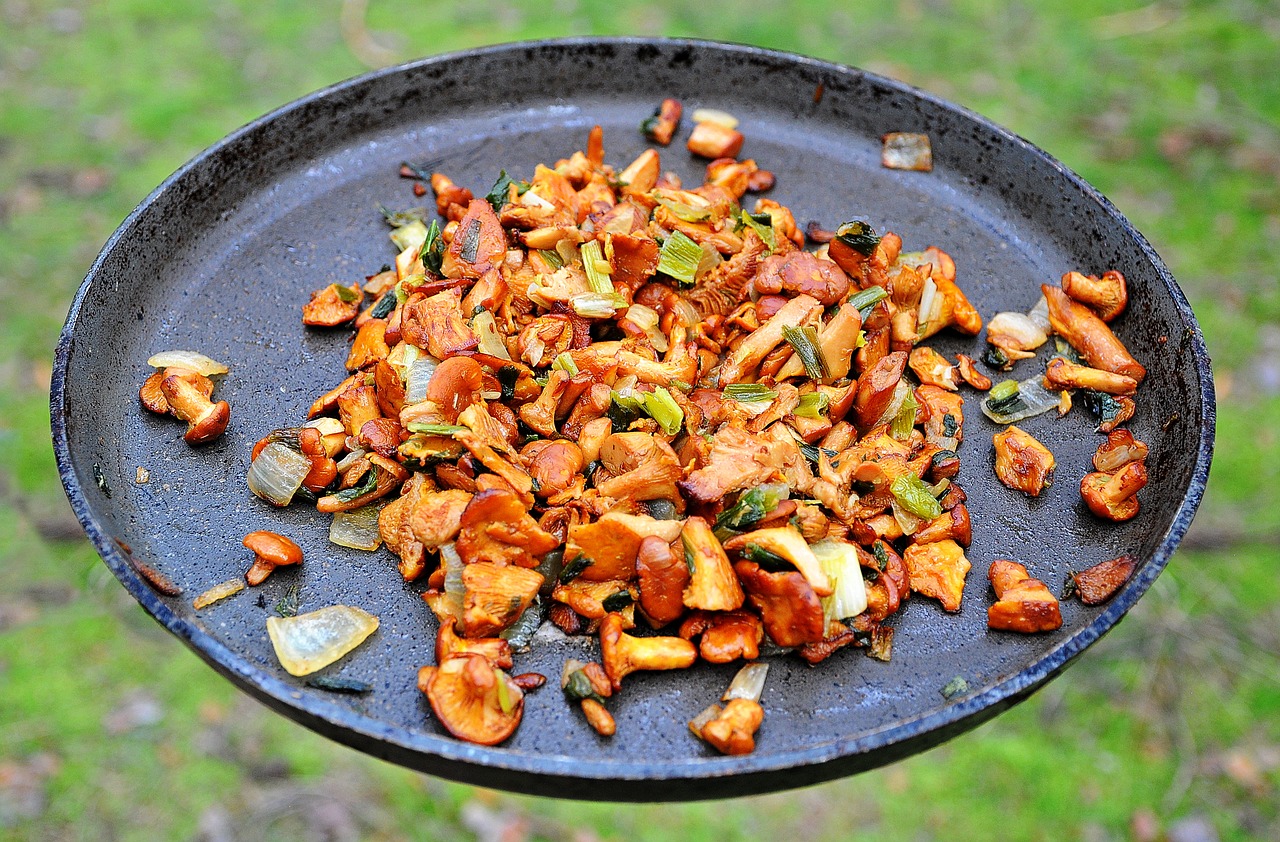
<point>473,700</point>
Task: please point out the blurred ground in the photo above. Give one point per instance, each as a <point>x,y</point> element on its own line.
<point>1167,729</point>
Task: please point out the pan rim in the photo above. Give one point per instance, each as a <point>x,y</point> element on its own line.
<point>548,774</point>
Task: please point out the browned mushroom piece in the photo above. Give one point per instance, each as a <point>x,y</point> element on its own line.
<point>205,419</point>
<point>1024,604</point>
<point>456,384</point>
<point>1118,450</point>
<point>474,700</point>
<point>938,570</point>
<point>152,396</point>
<point>1100,582</point>
<point>334,305</point>
<point>1063,374</point>
<point>270,550</point>
<point>662,125</point>
<point>495,595</point>
<point>875,389</point>
<point>495,650</point>
<point>714,140</point>
<point>496,526</point>
<point>624,654</point>
<point>1114,496</point>
<point>1107,296</point>
<point>932,368</point>
<point>791,611</point>
<point>1022,462</point>
<point>712,583</point>
<point>732,730</point>
<point>970,373</point>
<point>1090,335</point>
<point>724,637</point>
<point>661,577</point>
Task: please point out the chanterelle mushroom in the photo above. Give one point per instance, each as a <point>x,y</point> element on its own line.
<point>474,700</point>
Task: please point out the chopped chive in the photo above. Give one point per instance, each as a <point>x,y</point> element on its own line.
<point>812,405</point>
<point>805,342</point>
<point>679,258</point>
<point>592,260</point>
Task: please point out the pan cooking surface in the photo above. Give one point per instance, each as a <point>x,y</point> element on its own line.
<point>221,257</point>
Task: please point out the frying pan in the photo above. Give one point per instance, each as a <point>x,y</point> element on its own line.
<point>221,256</point>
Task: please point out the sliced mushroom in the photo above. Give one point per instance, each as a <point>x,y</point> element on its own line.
<point>474,700</point>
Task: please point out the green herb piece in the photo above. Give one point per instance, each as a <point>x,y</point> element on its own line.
<point>762,224</point>
<point>433,249</point>
<point>812,452</point>
<point>661,407</point>
<point>679,258</point>
<point>690,557</point>
<point>345,294</point>
<point>337,684</point>
<point>955,687</point>
<point>508,375</point>
<point>367,483</point>
<point>597,268</point>
<point>1104,406</point>
<point>616,601</point>
<point>1003,397</point>
<point>950,426</point>
<point>805,342</point>
<point>864,300</point>
<point>287,606</point>
<point>520,633</point>
<point>753,504</point>
<point>682,386</point>
<point>881,555</point>
<point>552,257</point>
<point>435,429</point>
<point>942,456</point>
<point>1069,587</point>
<point>995,357</point>
<point>905,421</point>
<point>768,560</point>
<point>574,568</point>
<point>100,480</point>
<point>384,305</point>
<point>401,219</point>
<point>913,495</point>
<point>749,392</point>
<point>500,192</point>
<point>881,645</point>
<point>578,687</point>
<point>564,362</point>
<point>859,236</point>
<point>684,212</point>
<point>469,237</point>
<point>812,405</point>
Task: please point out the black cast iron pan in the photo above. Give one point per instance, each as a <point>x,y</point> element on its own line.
<point>220,257</point>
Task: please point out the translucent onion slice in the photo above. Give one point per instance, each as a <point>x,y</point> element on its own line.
<point>418,379</point>
<point>357,529</point>
<point>1033,399</point>
<point>1039,315</point>
<point>222,590</point>
<point>486,328</point>
<point>312,641</point>
<point>193,360</point>
<point>749,682</point>
<point>454,591</point>
<point>277,474</point>
<point>840,562</point>
<point>1026,334</point>
<point>715,115</point>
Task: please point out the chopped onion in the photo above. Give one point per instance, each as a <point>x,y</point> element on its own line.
<point>840,562</point>
<point>418,379</point>
<point>357,529</point>
<point>217,592</point>
<point>891,411</point>
<point>1033,399</point>
<point>314,640</point>
<point>1019,327</point>
<point>647,319</point>
<point>930,305</point>
<point>193,360</point>
<point>350,459</point>
<point>277,473</point>
<point>486,327</point>
<point>1039,315</point>
<point>596,305</point>
<point>715,115</point>
<point>749,682</point>
<point>907,151</point>
<point>454,590</point>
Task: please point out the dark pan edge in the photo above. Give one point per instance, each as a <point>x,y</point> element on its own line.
<point>699,778</point>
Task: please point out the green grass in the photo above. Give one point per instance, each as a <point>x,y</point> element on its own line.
<point>1170,109</point>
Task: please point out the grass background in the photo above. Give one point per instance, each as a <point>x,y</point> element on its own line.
<point>1167,729</point>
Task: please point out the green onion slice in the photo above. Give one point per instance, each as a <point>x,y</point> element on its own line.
<point>679,258</point>
<point>805,342</point>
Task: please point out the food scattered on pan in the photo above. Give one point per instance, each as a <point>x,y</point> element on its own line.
<point>906,151</point>
<point>608,403</point>
<point>181,387</point>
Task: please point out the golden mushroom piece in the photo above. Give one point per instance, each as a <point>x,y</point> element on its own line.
<point>270,551</point>
<point>474,700</point>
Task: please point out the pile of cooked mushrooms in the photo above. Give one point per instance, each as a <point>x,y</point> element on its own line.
<point>619,404</point>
